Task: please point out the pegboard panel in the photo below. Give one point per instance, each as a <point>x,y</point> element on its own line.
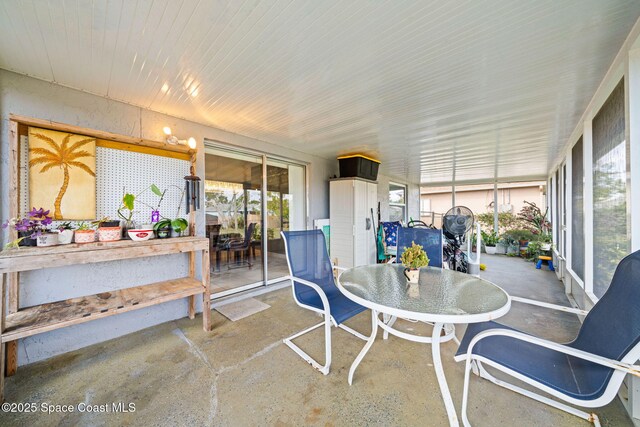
<point>118,171</point>
<point>24,175</point>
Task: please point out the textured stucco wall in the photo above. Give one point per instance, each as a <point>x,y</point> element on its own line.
<point>34,98</point>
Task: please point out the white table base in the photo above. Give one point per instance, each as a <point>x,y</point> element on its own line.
<point>434,340</point>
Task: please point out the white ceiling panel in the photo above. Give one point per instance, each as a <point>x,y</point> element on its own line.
<point>464,90</point>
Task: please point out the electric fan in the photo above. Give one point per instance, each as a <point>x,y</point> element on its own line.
<point>456,223</point>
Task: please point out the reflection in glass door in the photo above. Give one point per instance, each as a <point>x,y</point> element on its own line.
<point>233,201</point>
<point>236,184</point>
<point>285,211</point>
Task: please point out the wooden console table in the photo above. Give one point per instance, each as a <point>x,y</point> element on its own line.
<point>37,319</point>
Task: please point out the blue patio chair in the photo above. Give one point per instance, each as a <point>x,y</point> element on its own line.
<point>314,288</point>
<point>429,238</point>
<point>585,372</point>
<point>431,241</point>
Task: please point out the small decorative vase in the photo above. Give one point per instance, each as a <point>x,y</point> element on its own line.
<point>109,234</point>
<point>65,236</point>
<point>85,236</point>
<point>47,239</point>
<point>163,233</point>
<point>412,275</point>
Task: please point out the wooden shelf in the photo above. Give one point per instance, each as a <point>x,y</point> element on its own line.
<point>47,317</point>
<point>30,258</point>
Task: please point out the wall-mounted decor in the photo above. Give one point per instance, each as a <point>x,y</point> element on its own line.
<point>62,173</point>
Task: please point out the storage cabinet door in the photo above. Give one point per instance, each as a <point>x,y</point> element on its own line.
<point>341,212</point>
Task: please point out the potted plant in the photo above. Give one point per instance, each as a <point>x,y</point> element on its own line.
<point>47,238</point>
<point>534,250</point>
<point>162,228</point>
<point>490,240</point>
<point>85,233</point>
<point>125,211</point>
<point>108,230</point>
<point>413,258</point>
<point>65,233</point>
<point>29,227</point>
<point>178,226</point>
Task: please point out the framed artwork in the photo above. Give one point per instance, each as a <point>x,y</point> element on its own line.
<point>62,173</point>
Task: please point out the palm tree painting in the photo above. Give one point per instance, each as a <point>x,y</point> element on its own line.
<point>62,173</point>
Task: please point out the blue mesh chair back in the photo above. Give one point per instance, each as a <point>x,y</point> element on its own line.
<point>612,327</point>
<point>430,239</point>
<point>309,260</point>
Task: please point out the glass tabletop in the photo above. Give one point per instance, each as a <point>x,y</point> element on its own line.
<point>441,295</point>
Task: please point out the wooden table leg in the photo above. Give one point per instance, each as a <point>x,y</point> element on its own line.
<point>2,346</point>
<point>192,274</point>
<point>11,351</point>
<point>206,295</point>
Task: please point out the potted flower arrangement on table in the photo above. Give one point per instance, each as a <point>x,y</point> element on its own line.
<point>413,258</point>
<point>29,227</point>
<point>85,233</point>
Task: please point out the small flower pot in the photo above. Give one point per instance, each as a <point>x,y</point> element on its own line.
<point>47,239</point>
<point>163,233</point>
<point>115,223</point>
<point>546,247</point>
<point>491,250</point>
<point>85,236</point>
<point>65,236</point>
<point>26,241</point>
<point>412,275</point>
<point>109,234</point>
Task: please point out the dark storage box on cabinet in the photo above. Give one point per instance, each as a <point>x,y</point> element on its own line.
<point>358,166</point>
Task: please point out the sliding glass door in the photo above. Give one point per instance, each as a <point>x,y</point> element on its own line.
<point>243,192</point>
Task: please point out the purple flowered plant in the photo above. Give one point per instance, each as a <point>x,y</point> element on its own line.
<point>34,223</point>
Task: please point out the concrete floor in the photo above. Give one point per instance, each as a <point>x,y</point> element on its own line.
<point>241,374</point>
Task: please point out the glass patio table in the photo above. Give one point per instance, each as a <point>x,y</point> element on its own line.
<point>442,297</point>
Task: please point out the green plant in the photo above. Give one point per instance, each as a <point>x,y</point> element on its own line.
<point>534,249</point>
<point>127,204</point>
<point>506,221</point>
<point>83,226</point>
<point>414,257</point>
<point>179,225</point>
<point>490,239</point>
<point>65,226</point>
<point>162,224</point>
<point>535,219</point>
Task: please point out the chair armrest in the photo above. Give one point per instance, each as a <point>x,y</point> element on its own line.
<point>315,287</point>
<point>609,363</point>
<point>551,306</point>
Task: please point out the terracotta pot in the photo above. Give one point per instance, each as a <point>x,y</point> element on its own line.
<point>85,236</point>
<point>109,234</point>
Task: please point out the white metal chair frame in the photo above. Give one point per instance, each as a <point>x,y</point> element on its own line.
<point>327,322</point>
<point>475,363</point>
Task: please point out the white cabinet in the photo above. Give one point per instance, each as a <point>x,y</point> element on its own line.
<point>353,240</point>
